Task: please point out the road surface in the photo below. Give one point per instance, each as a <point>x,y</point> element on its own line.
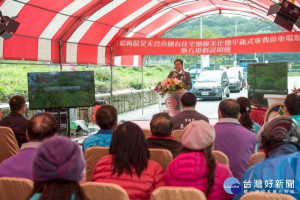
<point>206,107</point>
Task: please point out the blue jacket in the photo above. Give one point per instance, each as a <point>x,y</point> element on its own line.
<point>296,117</point>
<point>102,139</point>
<point>280,172</point>
<point>255,128</point>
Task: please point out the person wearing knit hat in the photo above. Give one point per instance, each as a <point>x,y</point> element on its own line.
<point>196,166</point>
<point>292,106</point>
<point>198,136</point>
<point>280,140</point>
<point>58,166</point>
<point>280,131</point>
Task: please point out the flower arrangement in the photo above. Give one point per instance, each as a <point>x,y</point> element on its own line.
<point>169,85</point>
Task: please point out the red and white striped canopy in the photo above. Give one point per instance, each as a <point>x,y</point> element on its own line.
<point>83,31</point>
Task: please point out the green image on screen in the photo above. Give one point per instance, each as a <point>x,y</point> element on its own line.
<point>266,78</point>
<point>61,89</point>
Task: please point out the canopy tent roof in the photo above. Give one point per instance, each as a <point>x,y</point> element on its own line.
<point>83,31</point>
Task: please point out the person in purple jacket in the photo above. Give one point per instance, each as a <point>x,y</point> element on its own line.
<point>40,127</point>
<point>196,166</point>
<point>237,142</point>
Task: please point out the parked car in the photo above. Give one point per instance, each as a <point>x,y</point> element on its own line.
<point>235,79</point>
<point>244,75</point>
<point>193,70</point>
<point>196,66</point>
<point>212,84</point>
<point>194,74</point>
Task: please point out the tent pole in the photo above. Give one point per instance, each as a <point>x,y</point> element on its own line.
<point>111,76</point>
<point>60,55</point>
<point>142,89</point>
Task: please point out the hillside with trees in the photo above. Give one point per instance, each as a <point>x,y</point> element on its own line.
<point>217,26</point>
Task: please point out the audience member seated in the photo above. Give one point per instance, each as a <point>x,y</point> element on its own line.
<point>57,168</point>
<point>196,166</point>
<point>233,139</point>
<point>161,128</point>
<point>128,164</point>
<point>40,127</point>
<point>244,117</point>
<point>107,120</point>
<point>279,172</point>
<point>292,106</point>
<point>15,120</point>
<point>188,114</point>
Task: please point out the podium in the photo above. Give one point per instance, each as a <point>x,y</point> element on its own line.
<point>170,103</point>
<point>275,106</point>
<point>274,98</point>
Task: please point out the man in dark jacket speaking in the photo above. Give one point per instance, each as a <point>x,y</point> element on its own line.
<point>180,74</point>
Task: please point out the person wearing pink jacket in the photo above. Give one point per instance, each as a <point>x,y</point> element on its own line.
<point>128,163</point>
<point>196,166</point>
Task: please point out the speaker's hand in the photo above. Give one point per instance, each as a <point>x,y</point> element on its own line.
<point>295,90</point>
<point>174,74</point>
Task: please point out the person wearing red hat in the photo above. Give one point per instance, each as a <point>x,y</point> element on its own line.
<point>279,172</point>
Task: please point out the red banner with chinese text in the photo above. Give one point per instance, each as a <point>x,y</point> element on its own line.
<point>275,42</point>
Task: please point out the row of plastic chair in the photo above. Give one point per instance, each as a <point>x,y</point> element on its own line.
<point>93,154</point>
<point>177,135</point>
<point>9,146</point>
<point>108,191</point>
<point>163,156</point>
<point>8,143</point>
<point>96,191</point>
<point>113,191</point>
<point>266,196</point>
<point>256,157</point>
